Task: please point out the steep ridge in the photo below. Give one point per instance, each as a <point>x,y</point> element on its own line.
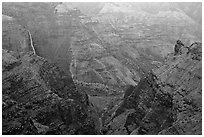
<point>90,89</point>
<point>105,55</point>
<point>50,33</point>
<point>38,97</point>
<point>167,101</point>
<point>119,46</point>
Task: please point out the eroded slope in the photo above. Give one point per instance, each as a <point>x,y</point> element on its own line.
<point>166,101</point>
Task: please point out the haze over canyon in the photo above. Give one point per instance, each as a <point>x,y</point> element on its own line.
<point>101,68</point>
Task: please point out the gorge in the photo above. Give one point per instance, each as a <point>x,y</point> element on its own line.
<point>109,69</point>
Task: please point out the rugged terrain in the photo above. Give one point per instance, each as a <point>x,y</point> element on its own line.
<point>39,97</point>
<point>111,68</point>
<point>167,101</point>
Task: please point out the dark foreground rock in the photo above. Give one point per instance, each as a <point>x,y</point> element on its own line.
<point>39,98</point>
<point>105,53</point>
<point>166,101</point>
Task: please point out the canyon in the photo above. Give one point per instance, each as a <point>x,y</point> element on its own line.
<point>108,69</point>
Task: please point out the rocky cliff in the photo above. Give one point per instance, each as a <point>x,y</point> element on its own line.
<point>167,101</point>
<point>39,98</point>
<point>115,72</point>
<point>114,46</point>
<point>50,33</point>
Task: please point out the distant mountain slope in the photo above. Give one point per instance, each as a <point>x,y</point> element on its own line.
<point>50,33</point>
<point>111,8</point>
<point>101,68</point>
<point>133,39</point>
<point>15,37</point>
<point>131,42</point>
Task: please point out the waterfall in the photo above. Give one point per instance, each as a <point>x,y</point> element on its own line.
<point>31,42</point>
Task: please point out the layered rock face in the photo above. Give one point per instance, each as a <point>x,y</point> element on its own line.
<point>47,29</point>
<point>119,46</point>
<point>39,98</point>
<point>115,46</point>
<point>115,69</point>
<point>167,101</point>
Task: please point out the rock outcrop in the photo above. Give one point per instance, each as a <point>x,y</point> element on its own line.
<point>39,98</point>
<point>167,101</point>
<point>99,53</point>
<point>131,40</point>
